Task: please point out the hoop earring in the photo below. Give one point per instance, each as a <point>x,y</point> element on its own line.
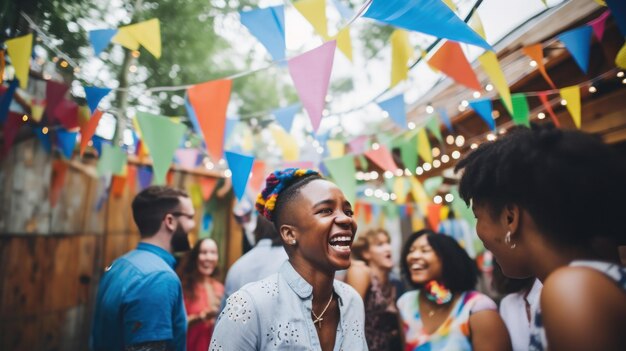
<point>507,240</point>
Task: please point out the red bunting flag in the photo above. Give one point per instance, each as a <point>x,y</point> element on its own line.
<point>382,157</point>
<point>451,61</point>
<point>434,216</point>
<point>207,184</point>
<point>59,171</point>
<point>88,130</point>
<point>543,96</point>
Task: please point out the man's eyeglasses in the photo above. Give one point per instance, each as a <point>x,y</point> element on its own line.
<point>178,214</point>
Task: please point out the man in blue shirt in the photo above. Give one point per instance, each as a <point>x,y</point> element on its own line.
<point>140,303</point>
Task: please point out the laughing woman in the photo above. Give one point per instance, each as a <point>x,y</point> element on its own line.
<point>202,293</point>
<point>301,307</point>
<point>444,312</point>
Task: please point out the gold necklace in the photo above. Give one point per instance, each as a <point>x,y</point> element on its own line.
<point>319,319</point>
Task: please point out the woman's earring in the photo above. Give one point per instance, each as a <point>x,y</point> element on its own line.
<point>293,242</point>
<point>507,240</point>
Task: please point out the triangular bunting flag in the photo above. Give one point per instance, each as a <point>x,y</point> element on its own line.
<point>66,141</point>
<point>477,25</point>
<point>535,52</point>
<point>268,26</point>
<point>571,95</point>
<point>520,110</point>
<point>144,175</point>
<point>287,144</point>
<point>382,158</point>
<point>451,61</point>
<point>491,66</point>
<point>19,50</point>
<point>207,185</point>
<point>620,59</point>
<point>343,10</point>
<point>94,95</point>
<point>419,194</point>
<point>433,127</point>
<point>89,130</point>
<point>112,160</point>
<point>578,43</point>
<point>209,101</point>
<point>315,12</point>
<point>162,137</point>
<point>43,138</point>
<point>427,16</point>
<point>59,171</point>
<point>284,116</point>
<point>336,148</point>
<point>443,114</point>
<point>240,166</point>
<point>408,153</point>
<point>484,109</point>
<point>146,34</point>
<point>187,158</point>
<point>257,177</point>
<point>432,184</point>
<point>543,96</point>
<point>401,53</point>
<point>423,146</point>
<point>5,100</point>
<point>191,114</point>
<point>434,216</point>
<point>342,171</point>
<point>599,24</point>
<point>395,107</point>
<point>311,75</point>
<point>66,112</point>
<point>100,39</point>
<point>36,110</point>
<point>55,92</point>
<point>344,42</point>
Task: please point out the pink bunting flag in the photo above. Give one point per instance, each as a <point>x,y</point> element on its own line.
<point>598,24</point>
<point>311,75</point>
<point>66,112</point>
<point>187,158</point>
<point>357,145</point>
<point>382,157</point>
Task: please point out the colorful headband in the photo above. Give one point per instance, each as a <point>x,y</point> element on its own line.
<point>274,184</point>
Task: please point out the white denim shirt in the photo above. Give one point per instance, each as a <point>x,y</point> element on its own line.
<point>275,314</point>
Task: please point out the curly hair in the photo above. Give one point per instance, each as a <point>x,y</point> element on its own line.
<point>362,242</point>
<point>571,183</point>
<point>188,270</point>
<point>282,187</point>
<point>459,272</point>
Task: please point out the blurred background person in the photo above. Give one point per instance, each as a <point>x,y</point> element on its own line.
<point>264,259</point>
<point>202,293</point>
<point>369,275</point>
<point>444,312</point>
<point>521,296</point>
<point>549,204</point>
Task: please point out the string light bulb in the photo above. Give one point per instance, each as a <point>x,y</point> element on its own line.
<point>44,130</point>
<point>489,87</point>
<point>541,115</point>
<point>620,74</point>
<point>592,89</point>
<point>25,118</point>
<point>563,102</point>
<point>533,63</point>
<point>430,108</point>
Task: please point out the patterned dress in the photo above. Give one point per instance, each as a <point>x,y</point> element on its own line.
<point>452,334</point>
<point>382,329</point>
<point>538,340</point>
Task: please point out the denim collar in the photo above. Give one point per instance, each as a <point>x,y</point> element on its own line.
<point>166,256</point>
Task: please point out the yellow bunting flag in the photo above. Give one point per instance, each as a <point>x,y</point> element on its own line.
<point>247,143</point>
<point>600,2</point>
<point>344,42</point>
<point>315,12</point>
<point>20,49</point>
<point>419,195</point>
<point>288,145</point>
<point>490,65</point>
<point>146,34</point>
<point>400,189</point>
<point>445,212</point>
<point>450,4</point>
<point>423,146</point>
<point>572,96</point>
<point>620,59</point>
<point>36,111</point>
<point>477,25</point>
<point>336,148</point>
<point>401,52</point>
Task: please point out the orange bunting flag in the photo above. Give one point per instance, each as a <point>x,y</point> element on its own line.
<point>535,52</point>
<point>131,178</point>
<point>543,96</point>
<point>207,185</point>
<point>117,185</point>
<point>434,216</point>
<point>209,101</point>
<point>571,95</point>
<point>59,171</point>
<point>257,177</point>
<point>88,130</point>
<point>451,61</point>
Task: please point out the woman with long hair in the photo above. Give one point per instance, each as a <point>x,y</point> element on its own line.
<point>444,312</point>
<point>202,293</point>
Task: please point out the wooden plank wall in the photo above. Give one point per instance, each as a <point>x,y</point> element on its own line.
<point>51,258</point>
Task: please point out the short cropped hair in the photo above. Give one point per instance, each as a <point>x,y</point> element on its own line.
<point>459,272</point>
<point>571,183</point>
<point>152,204</point>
